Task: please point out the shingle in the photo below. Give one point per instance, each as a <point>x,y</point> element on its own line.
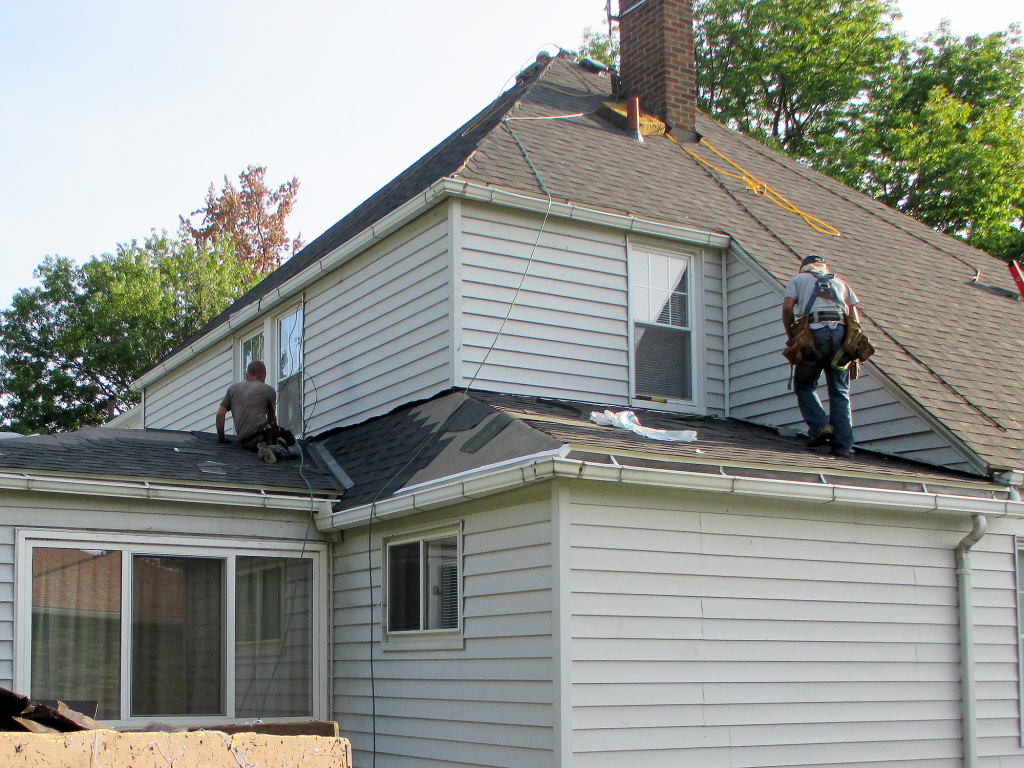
<point>418,443</point>
<point>153,455</point>
<point>953,345</point>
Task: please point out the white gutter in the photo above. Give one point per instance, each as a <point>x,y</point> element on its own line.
<point>158,492</point>
<point>488,481</point>
<point>966,620</point>
<point>411,209</point>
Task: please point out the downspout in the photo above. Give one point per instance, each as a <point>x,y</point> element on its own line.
<point>963,588</point>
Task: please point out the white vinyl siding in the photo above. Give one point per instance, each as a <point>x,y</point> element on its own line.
<point>489,703</point>
<point>766,637</point>
<point>188,397</point>
<point>567,335</point>
<point>757,371</point>
<point>378,328</point>
<point>758,376</point>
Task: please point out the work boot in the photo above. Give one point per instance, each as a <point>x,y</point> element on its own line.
<point>822,436</point>
<point>843,453</point>
<point>266,452</point>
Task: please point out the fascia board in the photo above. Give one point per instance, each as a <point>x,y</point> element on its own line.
<point>411,209</point>
<point>448,491</point>
<point>158,492</point>
<point>348,250</point>
<point>511,199</point>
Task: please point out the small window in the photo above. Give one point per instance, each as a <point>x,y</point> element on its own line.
<point>660,290</point>
<point>252,350</point>
<point>289,371</point>
<point>423,584</point>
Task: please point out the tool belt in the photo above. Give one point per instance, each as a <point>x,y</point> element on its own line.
<point>800,346</point>
<point>856,346</point>
<point>855,350</point>
<point>826,317</point>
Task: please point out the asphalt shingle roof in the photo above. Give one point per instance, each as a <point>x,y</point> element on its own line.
<point>457,432</point>
<point>157,455</point>
<point>951,342</point>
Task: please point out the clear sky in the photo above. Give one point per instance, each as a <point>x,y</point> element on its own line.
<point>115,116</point>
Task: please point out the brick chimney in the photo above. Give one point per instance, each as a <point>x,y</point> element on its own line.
<point>657,60</point>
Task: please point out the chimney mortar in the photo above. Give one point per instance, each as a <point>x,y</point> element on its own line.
<point>658,61</point>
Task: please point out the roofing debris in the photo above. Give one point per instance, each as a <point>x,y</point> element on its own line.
<point>19,714</point>
<point>628,420</point>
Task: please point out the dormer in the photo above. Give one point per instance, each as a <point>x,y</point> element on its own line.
<point>542,250</point>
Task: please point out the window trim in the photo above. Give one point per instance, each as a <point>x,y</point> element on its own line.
<point>269,326</point>
<point>422,639</point>
<point>698,340</point>
<point>130,544</point>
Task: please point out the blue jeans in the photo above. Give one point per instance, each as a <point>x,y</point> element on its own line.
<point>827,342</point>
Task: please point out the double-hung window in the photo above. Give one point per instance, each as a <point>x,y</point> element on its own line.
<point>661,290</point>
<point>423,590</point>
<point>130,629</point>
<point>277,343</point>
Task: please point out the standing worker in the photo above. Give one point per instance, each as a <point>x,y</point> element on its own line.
<point>825,303</point>
<point>252,404</point>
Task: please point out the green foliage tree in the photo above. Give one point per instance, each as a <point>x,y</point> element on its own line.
<point>72,346</point>
<point>600,46</point>
<point>940,137</point>
<point>787,71</point>
<point>931,127</point>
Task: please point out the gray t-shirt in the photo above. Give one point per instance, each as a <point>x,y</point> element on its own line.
<point>249,403</point>
<point>802,286</point>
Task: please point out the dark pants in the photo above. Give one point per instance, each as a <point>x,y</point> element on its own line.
<point>270,434</point>
<point>827,341</point>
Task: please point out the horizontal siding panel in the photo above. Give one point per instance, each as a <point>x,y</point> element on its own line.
<point>570,314</point>
<point>487,316</point>
<point>378,330</point>
<point>604,356</point>
<point>488,704</point>
<point>610,347</point>
<point>187,398</point>
<point>793,633</point>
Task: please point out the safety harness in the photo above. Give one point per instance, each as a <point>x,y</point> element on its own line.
<point>823,287</point>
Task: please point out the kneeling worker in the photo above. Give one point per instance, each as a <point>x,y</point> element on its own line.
<point>826,302</point>
<point>252,404</point>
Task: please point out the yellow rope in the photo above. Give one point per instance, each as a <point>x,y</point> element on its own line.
<point>759,187</point>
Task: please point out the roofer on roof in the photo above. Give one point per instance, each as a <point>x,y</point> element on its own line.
<point>252,404</point>
<point>825,305</point>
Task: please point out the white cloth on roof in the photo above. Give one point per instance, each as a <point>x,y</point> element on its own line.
<point>628,420</point>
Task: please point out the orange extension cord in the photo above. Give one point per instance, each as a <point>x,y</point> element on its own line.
<point>759,187</point>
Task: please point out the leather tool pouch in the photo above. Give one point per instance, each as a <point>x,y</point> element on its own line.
<point>800,346</point>
<point>856,347</point>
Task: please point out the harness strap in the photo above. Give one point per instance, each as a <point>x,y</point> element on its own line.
<point>822,282</point>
